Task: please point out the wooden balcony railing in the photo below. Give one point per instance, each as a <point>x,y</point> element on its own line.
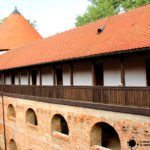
<point>122,96</point>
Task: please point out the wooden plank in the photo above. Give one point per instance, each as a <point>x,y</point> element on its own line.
<point>122,96</point>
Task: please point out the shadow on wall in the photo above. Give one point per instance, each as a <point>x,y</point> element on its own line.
<point>104,135</point>
<point>12,145</point>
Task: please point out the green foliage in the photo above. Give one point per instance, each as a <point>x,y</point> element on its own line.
<point>130,4</point>
<point>33,23</point>
<point>103,8</point>
<point>2,20</point>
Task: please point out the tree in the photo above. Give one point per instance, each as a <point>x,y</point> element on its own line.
<point>103,8</point>
<point>2,20</point>
<point>130,4</point>
<point>33,23</point>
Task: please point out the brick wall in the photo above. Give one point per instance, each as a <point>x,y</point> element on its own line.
<point>80,122</point>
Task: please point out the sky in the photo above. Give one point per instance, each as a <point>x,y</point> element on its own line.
<point>52,16</point>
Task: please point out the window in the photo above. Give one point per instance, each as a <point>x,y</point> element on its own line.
<point>59,124</point>
<point>98,74</point>
<point>59,76</point>
<point>12,145</point>
<point>31,117</point>
<point>11,111</point>
<point>148,71</point>
<point>104,135</point>
<point>34,77</point>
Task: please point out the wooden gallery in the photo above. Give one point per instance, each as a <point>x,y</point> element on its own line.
<point>83,89</point>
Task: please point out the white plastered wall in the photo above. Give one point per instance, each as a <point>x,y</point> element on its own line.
<point>82,73</point>
<point>66,74</point>
<point>16,79</point>
<point>47,76</point>
<point>24,78</point>
<point>135,71</point>
<point>7,79</point>
<point>112,72</point>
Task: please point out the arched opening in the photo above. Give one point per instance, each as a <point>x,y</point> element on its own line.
<point>12,145</point>
<point>59,124</point>
<point>31,117</point>
<point>104,135</point>
<point>11,111</point>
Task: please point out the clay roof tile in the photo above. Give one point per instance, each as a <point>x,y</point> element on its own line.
<point>16,31</point>
<point>129,30</point>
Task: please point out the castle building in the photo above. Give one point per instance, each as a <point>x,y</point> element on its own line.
<point>83,89</point>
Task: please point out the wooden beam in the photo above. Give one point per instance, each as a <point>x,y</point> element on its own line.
<point>122,70</point>
<point>71,74</point>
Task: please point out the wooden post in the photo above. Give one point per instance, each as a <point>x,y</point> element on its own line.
<point>40,74</point>
<point>71,74</point>
<point>93,74</point>
<point>11,77</point>
<point>19,76</point>
<point>54,75</point>
<point>122,70</point>
<point>2,77</point>
<point>4,82</point>
<point>28,76</point>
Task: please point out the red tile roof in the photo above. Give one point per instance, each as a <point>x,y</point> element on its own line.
<point>129,30</point>
<point>16,31</point>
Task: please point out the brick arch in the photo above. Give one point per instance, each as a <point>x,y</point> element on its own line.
<point>11,111</point>
<point>105,135</point>
<point>12,145</point>
<point>59,124</point>
<point>31,117</point>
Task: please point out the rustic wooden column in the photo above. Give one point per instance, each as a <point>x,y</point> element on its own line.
<point>93,73</point>
<point>4,78</point>
<point>71,74</point>
<point>54,75</point>
<point>28,76</point>
<point>122,70</point>
<point>40,74</point>
<point>19,76</point>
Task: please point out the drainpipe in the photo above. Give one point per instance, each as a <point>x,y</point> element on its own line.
<point>4,121</point>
